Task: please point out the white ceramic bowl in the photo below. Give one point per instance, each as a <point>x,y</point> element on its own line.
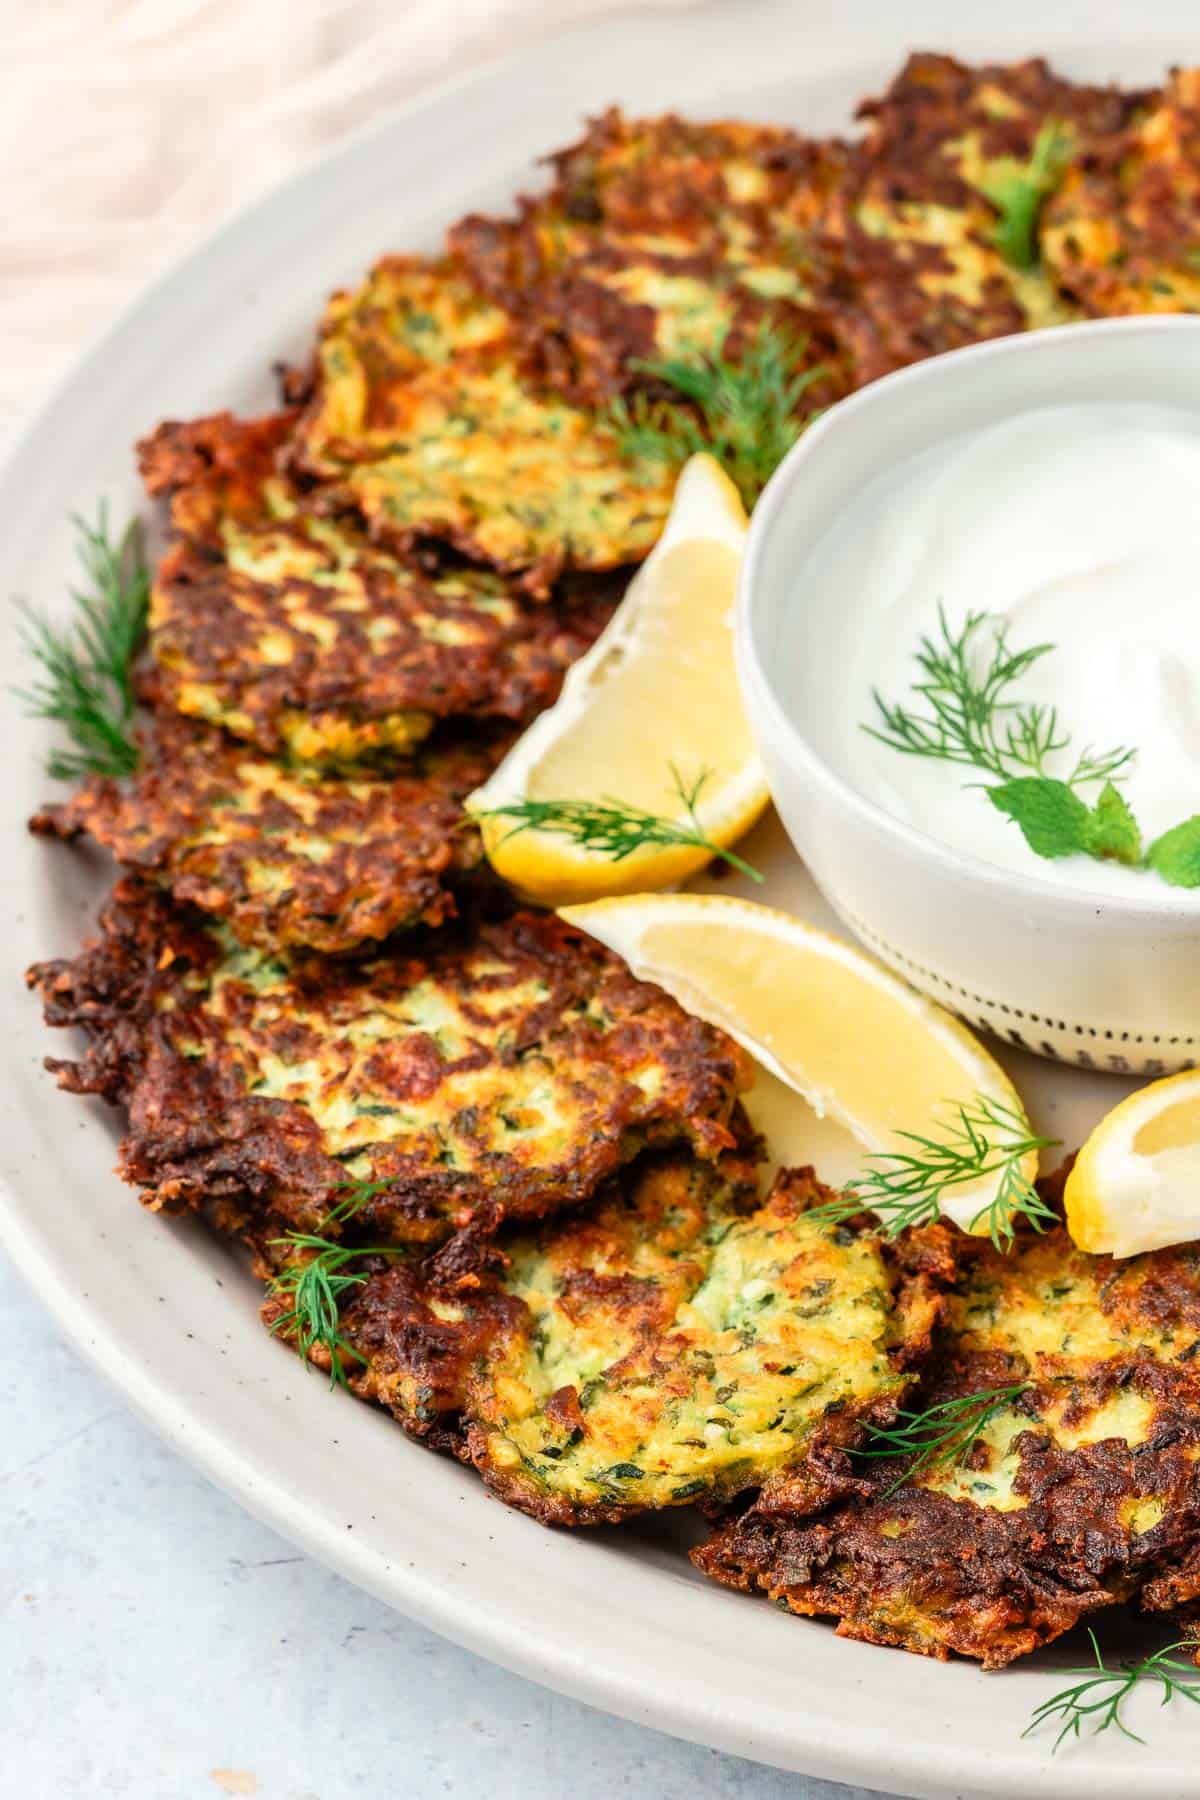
<point>1090,979</point>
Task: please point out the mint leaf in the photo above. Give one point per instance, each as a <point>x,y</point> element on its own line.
<point>1113,832</point>
<point>1176,854</point>
<point>1053,819</point>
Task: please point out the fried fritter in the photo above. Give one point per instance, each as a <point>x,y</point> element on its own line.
<point>941,121</point>
<point>273,617</point>
<point>1122,234</point>
<point>675,1343</point>
<point>501,1070</point>
<point>427,418</point>
<point>662,236</point>
<point>910,234</point>
<point>1076,1493</point>
<point>288,856</point>
<point>659,237</point>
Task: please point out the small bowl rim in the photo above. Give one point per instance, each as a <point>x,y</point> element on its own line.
<point>1161,909</point>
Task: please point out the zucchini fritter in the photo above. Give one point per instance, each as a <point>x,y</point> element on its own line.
<point>1082,1489</point>
<point>942,122</point>
<point>502,1070</point>
<point>914,268</point>
<point>427,417</point>
<point>1122,234</point>
<point>659,237</point>
<point>286,855</point>
<point>274,617</point>
<point>462,399</point>
<point>675,1343</point>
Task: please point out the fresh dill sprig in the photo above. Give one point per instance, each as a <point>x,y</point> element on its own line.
<point>1017,191</point>
<point>614,829</point>
<point>86,680</point>
<point>1016,1197</point>
<point>745,413</point>
<point>904,1187</point>
<point>971,718</point>
<point>316,1285</point>
<point>355,1195</point>
<point>940,1434</point>
<point>1097,1699</point>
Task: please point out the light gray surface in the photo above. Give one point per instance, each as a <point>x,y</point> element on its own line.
<point>162,1644</point>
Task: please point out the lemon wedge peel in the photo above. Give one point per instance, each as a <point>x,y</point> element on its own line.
<point>1136,1181</point>
<point>837,1027</point>
<point>656,692</point>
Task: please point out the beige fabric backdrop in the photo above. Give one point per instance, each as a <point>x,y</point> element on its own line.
<point>129,126</point>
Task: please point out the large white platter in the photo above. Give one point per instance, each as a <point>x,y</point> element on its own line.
<point>616,1618</point>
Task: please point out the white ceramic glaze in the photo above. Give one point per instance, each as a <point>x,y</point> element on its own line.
<point>617,1618</point>
<point>1094,979</point>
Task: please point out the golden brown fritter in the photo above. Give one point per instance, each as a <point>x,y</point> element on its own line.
<point>501,1070</point>
<point>1122,234</point>
<point>660,237</point>
<point>286,855</point>
<point>665,237</point>
<point>272,616</point>
<point>677,1342</point>
<point>427,419</point>
<point>942,120</point>
<point>910,245</point>
<point>219,474</point>
<point>1078,1491</point>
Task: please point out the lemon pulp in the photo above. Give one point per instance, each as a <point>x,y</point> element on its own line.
<point>820,1015</point>
<point>650,717</point>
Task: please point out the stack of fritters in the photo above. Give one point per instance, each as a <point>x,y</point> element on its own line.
<point>275,617</point>
<point>1081,1491</point>
<point>669,1339</point>
<point>319,707</point>
<point>325,1021</point>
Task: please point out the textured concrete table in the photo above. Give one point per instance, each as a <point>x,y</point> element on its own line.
<point>159,1643</point>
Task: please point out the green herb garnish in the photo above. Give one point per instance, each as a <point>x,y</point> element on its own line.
<point>1176,854</point>
<point>1017,191</point>
<point>1097,1699</point>
<point>941,1434</point>
<point>744,413</point>
<point>355,1195</point>
<point>614,829</point>
<point>970,718</point>
<point>316,1288</point>
<point>1055,821</point>
<point>905,1187</point>
<point>86,681</point>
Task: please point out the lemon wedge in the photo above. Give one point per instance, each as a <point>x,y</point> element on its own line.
<point>653,707</point>
<point>817,1013</point>
<point>1136,1182</point>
